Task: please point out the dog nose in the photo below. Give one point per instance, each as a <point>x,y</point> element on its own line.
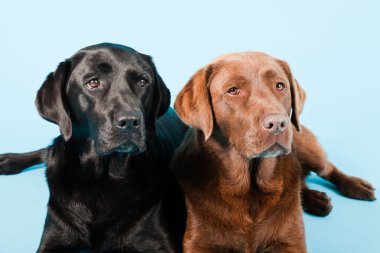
<point>128,121</point>
<point>275,123</point>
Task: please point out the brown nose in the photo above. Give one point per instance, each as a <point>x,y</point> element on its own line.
<point>275,123</point>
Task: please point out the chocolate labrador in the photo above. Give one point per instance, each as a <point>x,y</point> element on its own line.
<point>240,166</point>
<point>110,187</point>
<point>86,100</point>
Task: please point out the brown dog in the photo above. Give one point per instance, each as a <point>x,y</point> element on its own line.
<point>239,167</point>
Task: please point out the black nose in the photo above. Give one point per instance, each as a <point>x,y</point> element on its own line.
<point>128,121</point>
<point>275,123</point>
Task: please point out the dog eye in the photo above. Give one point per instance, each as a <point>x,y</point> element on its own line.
<point>280,86</point>
<point>93,84</point>
<point>233,91</point>
<point>142,83</point>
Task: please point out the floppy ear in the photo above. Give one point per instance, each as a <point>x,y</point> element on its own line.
<point>163,96</point>
<point>50,101</point>
<point>298,95</point>
<point>193,103</point>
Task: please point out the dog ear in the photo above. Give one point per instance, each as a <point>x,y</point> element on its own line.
<point>164,96</point>
<point>193,103</point>
<point>298,95</point>
<point>50,101</point>
<point>161,97</point>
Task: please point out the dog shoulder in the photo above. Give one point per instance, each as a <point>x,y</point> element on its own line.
<point>190,159</point>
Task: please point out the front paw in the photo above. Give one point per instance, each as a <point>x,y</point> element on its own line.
<point>8,166</point>
<point>316,202</point>
<point>356,188</point>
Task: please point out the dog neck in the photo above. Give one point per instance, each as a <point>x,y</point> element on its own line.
<point>240,175</point>
<point>81,159</point>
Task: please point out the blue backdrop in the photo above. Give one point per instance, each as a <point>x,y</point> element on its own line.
<point>332,46</point>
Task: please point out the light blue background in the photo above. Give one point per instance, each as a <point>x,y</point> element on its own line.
<point>332,46</point>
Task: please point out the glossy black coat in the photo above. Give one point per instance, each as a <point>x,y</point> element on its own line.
<point>111,189</point>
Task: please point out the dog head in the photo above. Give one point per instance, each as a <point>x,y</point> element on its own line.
<point>249,99</point>
<point>108,93</point>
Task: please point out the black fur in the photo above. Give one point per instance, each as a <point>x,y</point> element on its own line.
<point>110,188</point>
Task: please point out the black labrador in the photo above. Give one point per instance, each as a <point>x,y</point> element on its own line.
<point>110,186</point>
<point>111,189</point>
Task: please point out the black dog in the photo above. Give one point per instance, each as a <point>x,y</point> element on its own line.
<point>110,186</point>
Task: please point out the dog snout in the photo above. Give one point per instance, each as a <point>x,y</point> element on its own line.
<point>275,123</point>
<point>128,121</point>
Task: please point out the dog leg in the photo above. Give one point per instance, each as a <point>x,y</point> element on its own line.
<point>14,163</point>
<point>352,187</point>
<point>313,158</point>
<point>53,242</point>
<point>315,202</point>
<point>60,238</point>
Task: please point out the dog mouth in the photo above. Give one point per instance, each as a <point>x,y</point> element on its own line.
<point>274,150</point>
<point>130,149</point>
<point>127,147</point>
<point>269,146</point>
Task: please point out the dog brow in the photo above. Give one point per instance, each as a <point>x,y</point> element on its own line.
<point>268,73</point>
<point>104,67</point>
<point>142,69</point>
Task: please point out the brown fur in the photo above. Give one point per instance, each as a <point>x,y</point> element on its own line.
<point>313,158</point>
<point>241,182</point>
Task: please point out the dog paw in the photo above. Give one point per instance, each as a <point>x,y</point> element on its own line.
<point>357,188</point>
<point>316,202</point>
<point>7,164</point>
